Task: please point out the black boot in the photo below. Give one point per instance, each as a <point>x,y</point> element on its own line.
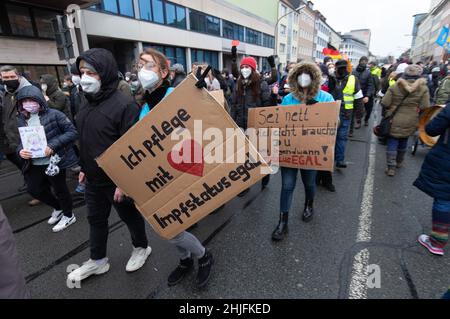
<point>282,228</point>
<point>181,271</point>
<point>204,269</point>
<point>327,181</point>
<point>265,181</point>
<point>308,213</point>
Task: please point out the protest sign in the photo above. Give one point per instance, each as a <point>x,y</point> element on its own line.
<point>173,175</point>
<point>34,140</point>
<point>307,133</point>
<point>219,96</point>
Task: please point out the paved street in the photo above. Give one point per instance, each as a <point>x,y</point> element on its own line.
<point>315,261</point>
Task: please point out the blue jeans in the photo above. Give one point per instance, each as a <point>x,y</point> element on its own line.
<point>397,144</point>
<point>341,139</point>
<point>289,181</point>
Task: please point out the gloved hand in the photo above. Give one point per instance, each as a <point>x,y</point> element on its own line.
<point>271,60</point>
<point>234,53</point>
<point>201,77</point>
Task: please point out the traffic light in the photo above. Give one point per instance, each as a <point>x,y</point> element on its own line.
<point>64,41</point>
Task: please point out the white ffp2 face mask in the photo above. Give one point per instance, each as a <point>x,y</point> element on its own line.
<point>148,79</point>
<point>89,84</point>
<point>304,80</point>
<point>246,72</point>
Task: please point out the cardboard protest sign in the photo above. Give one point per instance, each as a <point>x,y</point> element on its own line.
<point>173,175</point>
<point>219,96</point>
<point>307,133</point>
<point>33,140</point>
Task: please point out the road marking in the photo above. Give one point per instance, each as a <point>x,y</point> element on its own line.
<point>358,284</point>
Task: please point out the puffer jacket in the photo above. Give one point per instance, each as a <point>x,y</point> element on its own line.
<point>60,132</point>
<point>408,95</point>
<point>11,137</point>
<point>57,99</point>
<point>366,81</point>
<point>241,104</point>
<point>434,178</point>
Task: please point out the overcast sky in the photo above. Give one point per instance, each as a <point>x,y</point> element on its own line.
<point>389,20</point>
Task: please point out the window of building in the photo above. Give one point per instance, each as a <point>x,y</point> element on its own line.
<point>212,25</point>
<point>20,20</point>
<point>282,48</point>
<point>232,31</point>
<point>158,11</point>
<point>119,7</point>
<point>145,10</point>
<point>268,41</point>
<point>253,37</point>
<point>201,22</point>
<point>283,10</point>
<point>203,56</point>
<point>43,21</point>
<point>126,8</point>
<point>163,12</point>
<point>282,29</point>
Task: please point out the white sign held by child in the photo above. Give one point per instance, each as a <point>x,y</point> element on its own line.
<point>33,140</point>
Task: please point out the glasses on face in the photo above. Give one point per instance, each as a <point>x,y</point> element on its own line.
<point>147,65</point>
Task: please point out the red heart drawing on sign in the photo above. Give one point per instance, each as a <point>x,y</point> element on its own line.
<point>178,161</point>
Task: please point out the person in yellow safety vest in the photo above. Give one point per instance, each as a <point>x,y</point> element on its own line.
<point>346,88</point>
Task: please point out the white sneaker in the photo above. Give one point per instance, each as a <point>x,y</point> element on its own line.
<point>56,216</point>
<point>89,268</point>
<point>64,223</point>
<point>138,258</point>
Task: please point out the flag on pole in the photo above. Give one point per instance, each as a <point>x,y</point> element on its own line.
<point>443,38</point>
<point>332,52</point>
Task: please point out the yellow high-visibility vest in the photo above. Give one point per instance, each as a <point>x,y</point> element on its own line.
<point>392,82</point>
<point>376,71</point>
<point>349,92</point>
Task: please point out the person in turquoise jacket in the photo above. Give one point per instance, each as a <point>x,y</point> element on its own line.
<point>305,82</point>
<point>154,77</point>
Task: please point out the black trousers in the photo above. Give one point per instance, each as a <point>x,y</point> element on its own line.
<point>369,109</point>
<point>15,159</point>
<point>40,185</point>
<point>99,200</point>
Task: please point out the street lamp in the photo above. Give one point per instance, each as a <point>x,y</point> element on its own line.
<point>301,7</point>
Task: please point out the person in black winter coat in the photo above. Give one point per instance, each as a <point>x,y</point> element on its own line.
<point>55,98</point>
<point>434,180</point>
<point>364,76</point>
<point>251,91</point>
<point>104,116</point>
<point>61,134</point>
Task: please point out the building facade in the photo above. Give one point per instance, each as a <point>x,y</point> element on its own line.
<point>27,39</point>
<point>426,33</point>
<point>335,39</point>
<point>186,31</point>
<point>322,36</point>
<point>306,32</point>
<point>364,35</point>
<point>353,48</point>
<point>288,33</point>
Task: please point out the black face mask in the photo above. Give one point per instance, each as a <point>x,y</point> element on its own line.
<point>11,85</point>
<point>362,67</point>
<point>341,72</point>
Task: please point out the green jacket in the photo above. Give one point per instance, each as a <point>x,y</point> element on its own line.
<point>443,92</point>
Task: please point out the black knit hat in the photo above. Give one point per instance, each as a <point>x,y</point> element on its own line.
<point>74,70</point>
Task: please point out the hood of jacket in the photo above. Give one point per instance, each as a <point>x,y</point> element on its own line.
<point>316,77</point>
<point>52,83</point>
<point>23,83</point>
<point>31,92</point>
<point>105,64</point>
<point>412,85</point>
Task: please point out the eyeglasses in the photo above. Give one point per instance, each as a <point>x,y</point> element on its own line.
<point>148,65</point>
